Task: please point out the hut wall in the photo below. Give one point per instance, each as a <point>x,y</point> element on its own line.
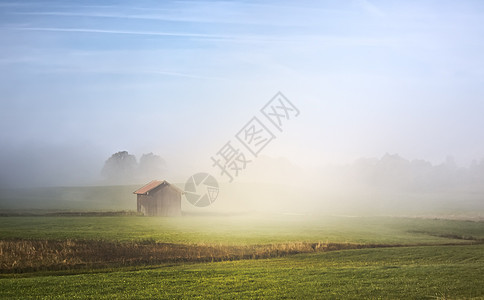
<point>168,201</point>
<point>147,205</point>
<point>162,201</point>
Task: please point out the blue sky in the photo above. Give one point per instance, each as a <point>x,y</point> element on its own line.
<point>82,80</point>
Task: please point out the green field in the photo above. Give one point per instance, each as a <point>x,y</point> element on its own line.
<point>243,229</point>
<point>406,273</point>
<point>397,257</point>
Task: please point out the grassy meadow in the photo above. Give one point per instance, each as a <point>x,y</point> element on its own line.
<point>243,229</point>
<point>67,254</point>
<point>443,272</point>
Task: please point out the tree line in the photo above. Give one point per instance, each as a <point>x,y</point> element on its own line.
<point>123,168</point>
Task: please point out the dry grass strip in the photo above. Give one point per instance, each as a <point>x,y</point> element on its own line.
<point>18,256</point>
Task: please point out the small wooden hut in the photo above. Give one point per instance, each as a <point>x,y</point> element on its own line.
<point>159,198</point>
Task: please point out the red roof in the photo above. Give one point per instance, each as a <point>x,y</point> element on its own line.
<point>150,186</point>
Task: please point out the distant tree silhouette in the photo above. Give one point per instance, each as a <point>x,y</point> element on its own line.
<point>151,166</point>
<point>120,167</point>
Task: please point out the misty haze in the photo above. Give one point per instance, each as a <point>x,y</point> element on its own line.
<point>242,149</point>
